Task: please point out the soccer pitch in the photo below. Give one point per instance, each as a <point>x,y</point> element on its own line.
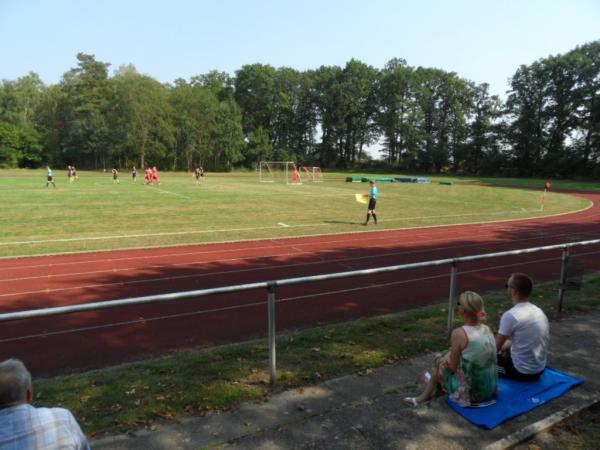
<point>92,213</point>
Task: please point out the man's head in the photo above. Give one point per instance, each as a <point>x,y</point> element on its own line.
<point>372,182</point>
<point>15,383</point>
<point>519,286</point>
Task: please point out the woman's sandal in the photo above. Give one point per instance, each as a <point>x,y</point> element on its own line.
<point>427,377</point>
<point>411,401</point>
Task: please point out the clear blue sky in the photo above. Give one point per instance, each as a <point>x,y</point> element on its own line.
<point>481,40</point>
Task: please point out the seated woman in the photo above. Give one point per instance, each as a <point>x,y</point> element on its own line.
<point>468,372</point>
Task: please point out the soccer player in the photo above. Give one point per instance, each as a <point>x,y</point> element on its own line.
<point>155,175</point>
<point>198,175</point>
<point>134,175</point>
<point>148,177</point>
<point>115,173</point>
<point>50,177</point>
<point>372,203</point>
<point>71,176</point>
<point>295,176</point>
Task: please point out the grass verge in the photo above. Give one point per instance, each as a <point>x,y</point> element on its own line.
<point>128,397</point>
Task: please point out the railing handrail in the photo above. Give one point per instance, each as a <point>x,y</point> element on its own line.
<point>42,312</point>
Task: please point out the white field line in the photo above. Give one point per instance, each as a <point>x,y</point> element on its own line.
<point>311,225</point>
<point>154,188</point>
<point>164,191</point>
<point>254,304</point>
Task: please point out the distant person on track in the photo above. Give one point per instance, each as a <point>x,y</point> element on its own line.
<point>27,427</point>
<point>524,334</point>
<point>115,174</point>
<point>468,372</point>
<point>49,177</point>
<point>155,175</point>
<point>547,187</point>
<point>372,203</point>
<point>134,175</point>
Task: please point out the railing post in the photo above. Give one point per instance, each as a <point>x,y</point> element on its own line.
<point>566,254</point>
<point>452,296</point>
<point>271,329</point>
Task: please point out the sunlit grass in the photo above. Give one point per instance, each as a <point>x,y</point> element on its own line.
<point>94,214</point>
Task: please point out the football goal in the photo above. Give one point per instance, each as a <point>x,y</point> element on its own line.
<point>312,174</point>
<point>279,172</point>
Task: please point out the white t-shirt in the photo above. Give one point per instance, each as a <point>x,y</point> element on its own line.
<point>527,327</point>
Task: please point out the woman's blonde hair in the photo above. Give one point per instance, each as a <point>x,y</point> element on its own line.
<point>473,303</point>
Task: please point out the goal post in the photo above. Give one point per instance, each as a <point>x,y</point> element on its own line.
<point>279,172</point>
<point>313,174</point>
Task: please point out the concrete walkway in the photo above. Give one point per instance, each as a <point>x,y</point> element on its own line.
<point>367,412</point>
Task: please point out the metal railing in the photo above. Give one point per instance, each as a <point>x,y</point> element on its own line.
<point>271,286</point>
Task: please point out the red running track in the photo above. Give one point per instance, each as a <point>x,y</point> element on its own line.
<point>81,341</point>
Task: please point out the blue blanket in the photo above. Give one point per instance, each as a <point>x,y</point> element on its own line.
<point>518,397</point>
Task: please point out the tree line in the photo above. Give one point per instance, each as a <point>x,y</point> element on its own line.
<point>425,119</point>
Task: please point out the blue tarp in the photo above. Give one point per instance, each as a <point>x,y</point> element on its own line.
<point>412,180</point>
<point>518,397</point>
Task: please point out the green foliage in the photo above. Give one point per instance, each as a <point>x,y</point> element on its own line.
<point>19,146</point>
<point>427,119</point>
<point>554,130</point>
<point>140,120</point>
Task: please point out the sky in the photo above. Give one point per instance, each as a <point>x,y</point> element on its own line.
<point>480,40</point>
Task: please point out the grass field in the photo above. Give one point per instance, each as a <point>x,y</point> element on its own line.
<point>94,214</point>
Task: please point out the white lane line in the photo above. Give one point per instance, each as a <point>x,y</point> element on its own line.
<point>283,225</point>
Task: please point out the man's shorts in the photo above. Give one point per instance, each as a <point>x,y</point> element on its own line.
<point>372,203</point>
<point>506,369</point>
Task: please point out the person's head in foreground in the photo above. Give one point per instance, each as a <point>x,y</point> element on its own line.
<point>15,384</point>
<point>24,426</point>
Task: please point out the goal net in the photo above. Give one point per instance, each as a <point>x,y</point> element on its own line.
<point>279,172</point>
<point>312,174</point>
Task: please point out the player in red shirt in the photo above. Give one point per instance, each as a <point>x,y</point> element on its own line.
<point>295,176</point>
<point>148,177</point>
<point>155,175</point>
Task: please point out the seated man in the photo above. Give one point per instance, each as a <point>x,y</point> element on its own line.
<point>27,427</point>
<point>524,334</point>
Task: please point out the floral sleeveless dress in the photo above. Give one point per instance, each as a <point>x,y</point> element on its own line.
<point>476,380</point>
